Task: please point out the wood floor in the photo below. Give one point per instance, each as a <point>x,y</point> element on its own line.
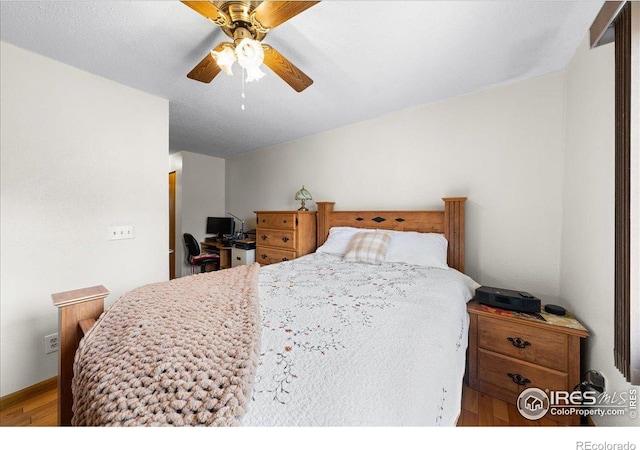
<point>39,409</point>
<point>478,409</point>
<point>481,410</point>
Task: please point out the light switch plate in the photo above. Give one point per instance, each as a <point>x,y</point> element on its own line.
<point>122,232</point>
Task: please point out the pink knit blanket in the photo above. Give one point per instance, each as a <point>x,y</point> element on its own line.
<point>176,353</point>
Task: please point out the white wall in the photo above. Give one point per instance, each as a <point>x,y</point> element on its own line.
<point>503,148</point>
<point>200,193</point>
<point>78,154</point>
<point>587,271</point>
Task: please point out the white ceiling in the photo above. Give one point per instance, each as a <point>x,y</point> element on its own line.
<point>367,59</point>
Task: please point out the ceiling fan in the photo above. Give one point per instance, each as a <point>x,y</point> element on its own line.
<point>247,23</point>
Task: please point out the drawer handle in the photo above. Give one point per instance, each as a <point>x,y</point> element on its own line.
<point>264,237</point>
<point>517,342</point>
<point>519,379</point>
<point>285,239</point>
<point>264,256</point>
<point>285,259</point>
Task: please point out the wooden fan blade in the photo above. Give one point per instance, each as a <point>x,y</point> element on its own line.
<point>207,9</point>
<point>272,14</point>
<point>293,76</point>
<point>207,69</point>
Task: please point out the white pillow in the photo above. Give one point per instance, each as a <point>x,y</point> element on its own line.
<point>338,240</point>
<point>368,247</point>
<point>419,249</point>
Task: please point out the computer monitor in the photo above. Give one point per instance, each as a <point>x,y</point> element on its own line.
<point>220,226</point>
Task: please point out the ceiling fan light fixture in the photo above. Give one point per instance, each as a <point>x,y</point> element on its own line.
<point>254,74</point>
<point>224,59</point>
<point>250,56</point>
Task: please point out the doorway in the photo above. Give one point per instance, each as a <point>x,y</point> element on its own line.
<point>172,225</point>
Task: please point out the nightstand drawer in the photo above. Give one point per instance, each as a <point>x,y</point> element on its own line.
<point>531,344</point>
<point>283,221</point>
<point>242,257</point>
<point>285,239</point>
<point>508,377</point>
<point>268,255</point>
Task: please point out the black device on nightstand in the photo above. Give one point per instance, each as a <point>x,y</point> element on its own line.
<point>555,309</point>
<point>508,299</point>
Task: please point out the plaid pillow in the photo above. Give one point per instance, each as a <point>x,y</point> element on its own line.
<point>369,247</point>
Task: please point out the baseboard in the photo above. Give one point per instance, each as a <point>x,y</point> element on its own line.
<point>13,399</point>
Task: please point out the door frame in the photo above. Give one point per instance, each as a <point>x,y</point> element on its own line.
<point>172,225</point>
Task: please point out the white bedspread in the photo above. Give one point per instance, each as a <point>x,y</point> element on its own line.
<point>352,344</point>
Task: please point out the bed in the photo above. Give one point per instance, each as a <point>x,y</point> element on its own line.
<point>345,336</point>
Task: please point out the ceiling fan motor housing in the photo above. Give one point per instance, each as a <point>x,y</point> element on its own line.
<point>238,11</point>
<point>240,17</point>
<point>241,33</point>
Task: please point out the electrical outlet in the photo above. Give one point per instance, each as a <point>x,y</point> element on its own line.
<point>123,232</point>
<point>51,343</point>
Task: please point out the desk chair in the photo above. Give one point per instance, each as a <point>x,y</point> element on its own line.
<point>195,258</point>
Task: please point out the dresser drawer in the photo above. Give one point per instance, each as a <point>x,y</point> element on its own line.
<point>269,255</point>
<point>286,221</point>
<point>285,239</point>
<point>508,376</point>
<point>531,344</point>
<point>242,257</point>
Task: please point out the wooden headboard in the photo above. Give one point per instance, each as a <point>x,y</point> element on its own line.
<point>449,222</point>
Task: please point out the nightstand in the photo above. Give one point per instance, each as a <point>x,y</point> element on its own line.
<point>242,257</point>
<point>284,235</point>
<point>510,352</point>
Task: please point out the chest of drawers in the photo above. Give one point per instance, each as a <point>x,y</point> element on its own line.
<point>284,235</point>
<point>508,354</point>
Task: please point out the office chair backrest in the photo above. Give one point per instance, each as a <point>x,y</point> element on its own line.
<point>192,245</point>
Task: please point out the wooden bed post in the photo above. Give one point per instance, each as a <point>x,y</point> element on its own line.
<point>324,208</point>
<point>454,230</point>
<point>77,311</point>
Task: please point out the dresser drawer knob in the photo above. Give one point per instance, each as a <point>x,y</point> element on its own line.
<point>285,239</point>
<point>285,259</point>
<point>517,342</point>
<point>519,379</point>
<point>264,256</point>
<point>264,237</point>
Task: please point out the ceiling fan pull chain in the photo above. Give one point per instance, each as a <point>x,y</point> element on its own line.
<point>242,88</point>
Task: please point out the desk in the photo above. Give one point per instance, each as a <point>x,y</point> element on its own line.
<point>216,247</point>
